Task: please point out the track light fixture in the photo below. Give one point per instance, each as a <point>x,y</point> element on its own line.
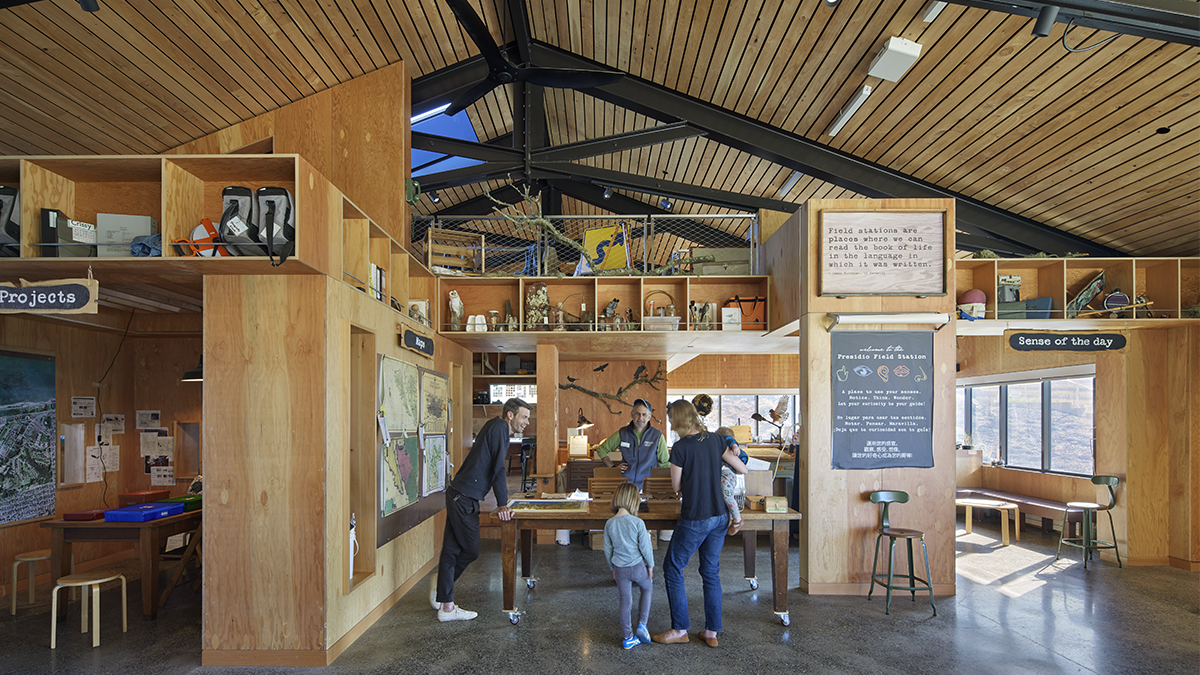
<point>665,203</point>
<point>434,197</point>
<point>1045,21</point>
<point>608,193</point>
<point>89,5</point>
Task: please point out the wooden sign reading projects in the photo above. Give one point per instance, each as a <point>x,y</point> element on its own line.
<point>61,296</point>
<point>883,252</point>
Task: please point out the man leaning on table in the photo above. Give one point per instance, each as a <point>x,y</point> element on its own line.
<point>642,446</point>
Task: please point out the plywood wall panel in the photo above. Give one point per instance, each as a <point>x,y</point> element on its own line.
<point>264,363</point>
<point>738,371</point>
<point>614,376</point>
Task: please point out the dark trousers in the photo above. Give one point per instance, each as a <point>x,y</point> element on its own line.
<point>460,544</point>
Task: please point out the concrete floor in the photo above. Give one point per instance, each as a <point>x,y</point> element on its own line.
<point>1016,611</point>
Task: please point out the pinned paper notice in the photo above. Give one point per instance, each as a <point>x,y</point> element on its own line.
<point>95,472</point>
<point>149,443</point>
<point>115,422</point>
<point>148,419</point>
<point>111,455</point>
<point>162,475</point>
<point>83,406</point>
<point>166,448</point>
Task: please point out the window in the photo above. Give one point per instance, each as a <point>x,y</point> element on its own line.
<point>1038,420</point>
<point>738,407</point>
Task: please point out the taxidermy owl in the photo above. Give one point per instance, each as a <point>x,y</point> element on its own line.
<point>456,311</point>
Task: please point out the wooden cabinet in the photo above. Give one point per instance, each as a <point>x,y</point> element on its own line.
<point>579,471</point>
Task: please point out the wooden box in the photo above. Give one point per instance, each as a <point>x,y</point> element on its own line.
<point>767,504</point>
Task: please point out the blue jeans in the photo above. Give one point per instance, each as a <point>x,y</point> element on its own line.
<point>706,536</point>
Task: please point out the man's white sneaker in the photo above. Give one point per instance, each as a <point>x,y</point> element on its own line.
<point>433,595</point>
<point>456,614</point>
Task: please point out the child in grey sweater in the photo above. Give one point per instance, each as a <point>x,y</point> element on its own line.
<point>627,550</point>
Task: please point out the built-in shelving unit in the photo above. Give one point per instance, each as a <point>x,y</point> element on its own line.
<point>1170,283</point>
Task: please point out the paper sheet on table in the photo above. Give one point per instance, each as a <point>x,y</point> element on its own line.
<point>162,475</point>
<point>95,473</point>
<point>579,496</point>
<point>112,457</point>
<point>755,464</point>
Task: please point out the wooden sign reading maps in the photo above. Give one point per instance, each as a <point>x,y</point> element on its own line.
<point>883,252</point>
<point>62,296</point>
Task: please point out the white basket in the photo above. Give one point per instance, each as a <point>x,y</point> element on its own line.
<point>660,322</point>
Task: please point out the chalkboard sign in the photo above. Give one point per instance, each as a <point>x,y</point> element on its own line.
<point>882,399</point>
<point>883,252</point>
<point>1066,342</point>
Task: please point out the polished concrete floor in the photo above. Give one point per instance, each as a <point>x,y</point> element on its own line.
<point>1016,611</point>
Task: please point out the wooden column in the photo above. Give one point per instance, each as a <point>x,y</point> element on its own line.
<point>547,419</point>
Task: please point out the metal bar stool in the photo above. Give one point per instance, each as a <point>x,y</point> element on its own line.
<point>86,579</point>
<point>1088,541</point>
<point>32,557</point>
<point>887,498</point>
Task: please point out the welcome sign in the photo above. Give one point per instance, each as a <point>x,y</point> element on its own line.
<point>64,296</point>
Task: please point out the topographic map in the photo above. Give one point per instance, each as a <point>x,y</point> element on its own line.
<point>400,475</point>
<point>435,465</point>
<point>399,394</point>
<point>27,431</point>
<point>436,396</point>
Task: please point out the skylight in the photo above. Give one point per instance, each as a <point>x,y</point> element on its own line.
<point>458,126</point>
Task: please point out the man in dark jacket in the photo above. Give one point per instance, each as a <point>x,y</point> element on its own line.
<point>482,470</point>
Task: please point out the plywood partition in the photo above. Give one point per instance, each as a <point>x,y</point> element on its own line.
<point>608,415</point>
<point>837,535</point>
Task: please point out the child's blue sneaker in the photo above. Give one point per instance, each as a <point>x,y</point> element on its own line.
<point>630,643</point>
<point>643,634</point>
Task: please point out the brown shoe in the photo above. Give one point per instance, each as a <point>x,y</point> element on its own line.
<point>734,527</point>
<point>710,641</point>
<point>662,639</point>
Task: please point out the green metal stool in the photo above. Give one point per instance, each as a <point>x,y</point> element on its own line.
<point>1088,541</point>
<point>887,498</point>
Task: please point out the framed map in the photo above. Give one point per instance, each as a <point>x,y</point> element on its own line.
<point>28,435</point>
<point>400,475</point>
<point>548,506</point>
<point>398,394</point>
<point>435,401</point>
<point>433,479</point>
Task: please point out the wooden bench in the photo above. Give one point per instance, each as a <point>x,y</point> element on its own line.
<point>1048,509</point>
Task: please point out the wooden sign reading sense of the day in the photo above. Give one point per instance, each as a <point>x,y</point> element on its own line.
<point>883,252</point>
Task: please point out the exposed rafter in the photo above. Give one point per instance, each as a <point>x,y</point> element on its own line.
<point>641,138</point>
<point>1166,20</point>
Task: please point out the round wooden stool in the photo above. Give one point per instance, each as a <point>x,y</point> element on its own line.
<point>32,558</point>
<point>85,579</point>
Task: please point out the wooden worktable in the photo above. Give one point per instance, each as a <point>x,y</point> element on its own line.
<point>662,515</point>
<point>150,537</point>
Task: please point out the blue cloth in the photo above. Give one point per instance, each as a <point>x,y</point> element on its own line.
<point>706,536</point>
<point>641,456</point>
<point>149,246</point>
<point>730,442</point>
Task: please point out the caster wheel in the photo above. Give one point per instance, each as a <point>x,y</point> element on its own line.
<point>754,584</point>
<point>531,583</point>
<point>514,619</point>
<point>785,620</point>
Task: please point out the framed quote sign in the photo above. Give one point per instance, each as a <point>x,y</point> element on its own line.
<point>883,252</point>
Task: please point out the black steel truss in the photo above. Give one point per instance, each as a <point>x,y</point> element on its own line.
<point>1166,20</point>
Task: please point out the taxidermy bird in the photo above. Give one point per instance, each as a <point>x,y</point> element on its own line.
<point>779,414</point>
<point>641,370</point>
<point>571,379</point>
<point>611,309</point>
<point>599,369</point>
<point>456,311</point>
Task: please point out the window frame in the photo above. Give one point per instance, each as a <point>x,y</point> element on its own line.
<point>1044,378</point>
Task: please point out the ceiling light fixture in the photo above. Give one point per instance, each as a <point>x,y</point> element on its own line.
<point>89,5</point>
<point>848,112</point>
<point>896,57</point>
<point>433,196</point>
<point>429,113</point>
<point>608,193</point>
<point>1045,21</point>
<point>665,203</point>
<point>791,183</point>
<point>195,374</point>
<point>932,11</point>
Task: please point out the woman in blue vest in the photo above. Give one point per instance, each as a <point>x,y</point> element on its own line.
<point>696,460</point>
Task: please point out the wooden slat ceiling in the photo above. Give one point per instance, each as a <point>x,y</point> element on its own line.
<point>1075,141</point>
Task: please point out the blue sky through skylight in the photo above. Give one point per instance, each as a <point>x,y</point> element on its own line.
<point>458,126</point>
